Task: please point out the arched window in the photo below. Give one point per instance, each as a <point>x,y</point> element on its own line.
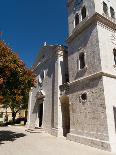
<point>76,19</point>
<point>105,8</point>
<point>41,76</point>
<point>83,12</point>
<point>114,52</point>
<point>112,12</point>
<point>81,60</point>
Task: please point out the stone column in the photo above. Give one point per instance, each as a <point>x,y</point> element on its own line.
<point>57,104</point>
<point>29,109</point>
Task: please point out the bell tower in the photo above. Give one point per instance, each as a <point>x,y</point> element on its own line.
<point>79,10</point>
<point>92,72</point>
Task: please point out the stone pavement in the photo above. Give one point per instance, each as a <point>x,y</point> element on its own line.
<point>16,141</point>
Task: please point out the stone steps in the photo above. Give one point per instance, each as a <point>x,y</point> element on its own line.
<point>36,130</point>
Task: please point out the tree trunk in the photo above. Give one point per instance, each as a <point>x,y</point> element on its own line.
<point>13,117</point>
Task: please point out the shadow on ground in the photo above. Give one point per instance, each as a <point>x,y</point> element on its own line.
<point>9,136</point>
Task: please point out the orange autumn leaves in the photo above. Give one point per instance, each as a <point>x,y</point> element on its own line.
<point>15,78</point>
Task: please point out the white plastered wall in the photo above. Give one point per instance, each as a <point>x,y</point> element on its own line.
<point>110,100</point>
<point>99,5</point>
<point>106,44</point>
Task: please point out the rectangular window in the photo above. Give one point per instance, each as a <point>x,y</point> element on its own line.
<point>76,19</point>
<point>81,60</point>
<point>114,52</point>
<point>114,109</point>
<point>105,8</point>
<point>112,12</point>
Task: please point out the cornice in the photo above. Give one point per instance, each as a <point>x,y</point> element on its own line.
<point>61,48</point>
<point>88,21</point>
<point>65,88</point>
<point>92,76</point>
<point>57,51</point>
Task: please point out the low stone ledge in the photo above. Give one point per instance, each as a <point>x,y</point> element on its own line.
<point>96,143</point>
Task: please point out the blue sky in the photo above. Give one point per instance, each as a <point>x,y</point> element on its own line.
<point>27,24</point>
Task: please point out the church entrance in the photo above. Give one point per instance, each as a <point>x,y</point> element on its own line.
<point>40,101</point>
<point>40,114</point>
<point>65,115</point>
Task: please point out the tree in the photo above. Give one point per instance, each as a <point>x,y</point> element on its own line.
<point>16,80</point>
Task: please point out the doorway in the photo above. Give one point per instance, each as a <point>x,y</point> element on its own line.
<point>65,117</point>
<point>40,114</point>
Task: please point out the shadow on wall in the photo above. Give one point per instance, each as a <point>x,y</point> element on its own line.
<point>9,136</point>
<point>65,118</point>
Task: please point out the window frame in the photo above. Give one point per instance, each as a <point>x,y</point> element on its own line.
<point>75,19</point>
<point>79,64</point>
<point>114,113</point>
<point>114,56</point>
<point>84,13</point>
<point>112,9</point>
<point>105,8</point>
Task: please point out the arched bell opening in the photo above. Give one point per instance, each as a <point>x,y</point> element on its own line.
<point>65,114</point>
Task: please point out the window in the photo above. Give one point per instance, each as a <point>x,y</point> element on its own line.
<point>112,12</point>
<point>81,60</point>
<point>43,56</point>
<point>66,78</point>
<point>41,77</point>
<point>83,12</point>
<point>114,52</point>
<point>76,19</point>
<point>114,109</point>
<point>105,8</point>
<point>83,98</point>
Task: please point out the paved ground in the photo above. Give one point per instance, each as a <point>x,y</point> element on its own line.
<point>16,141</point>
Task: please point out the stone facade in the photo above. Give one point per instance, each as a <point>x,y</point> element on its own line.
<point>92,122</point>
<point>83,107</point>
<point>51,62</point>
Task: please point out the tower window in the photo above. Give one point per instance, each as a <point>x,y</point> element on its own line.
<point>83,12</point>
<point>66,78</point>
<point>114,52</point>
<point>114,109</point>
<point>41,77</point>
<point>76,19</point>
<point>112,12</point>
<point>81,60</point>
<point>105,8</point>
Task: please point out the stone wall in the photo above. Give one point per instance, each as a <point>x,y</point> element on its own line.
<point>88,119</point>
<point>88,43</point>
<point>52,64</point>
<point>72,10</point>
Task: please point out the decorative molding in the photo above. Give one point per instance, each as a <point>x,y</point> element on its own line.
<point>58,50</point>
<point>92,76</point>
<point>65,87</point>
<point>40,95</point>
<point>88,21</point>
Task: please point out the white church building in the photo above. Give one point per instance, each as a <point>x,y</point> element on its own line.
<point>75,95</point>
